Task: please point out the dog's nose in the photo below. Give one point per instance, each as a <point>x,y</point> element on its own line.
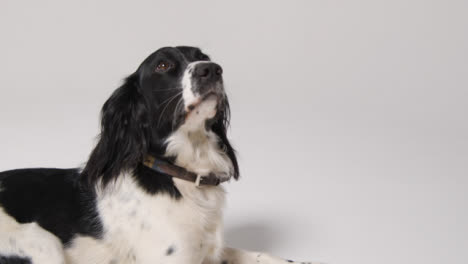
<point>209,71</point>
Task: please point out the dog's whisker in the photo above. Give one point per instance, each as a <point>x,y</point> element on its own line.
<point>164,109</point>
<point>169,99</point>
<point>161,90</point>
<point>176,111</point>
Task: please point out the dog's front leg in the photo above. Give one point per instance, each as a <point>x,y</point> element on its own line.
<point>239,256</point>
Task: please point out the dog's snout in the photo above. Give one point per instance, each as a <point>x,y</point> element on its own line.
<point>202,79</point>
<point>209,71</point>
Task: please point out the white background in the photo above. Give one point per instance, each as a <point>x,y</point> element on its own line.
<point>350,117</point>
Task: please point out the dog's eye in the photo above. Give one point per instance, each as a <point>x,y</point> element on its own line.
<point>163,67</point>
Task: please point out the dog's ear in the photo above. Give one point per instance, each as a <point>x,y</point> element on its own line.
<point>125,132</point>
<point>220,127</point>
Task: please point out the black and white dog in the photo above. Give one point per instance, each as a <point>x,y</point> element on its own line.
<point>136,200</point>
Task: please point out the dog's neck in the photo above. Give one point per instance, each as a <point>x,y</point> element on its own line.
<point>196,148</point>
<point>199,152</point>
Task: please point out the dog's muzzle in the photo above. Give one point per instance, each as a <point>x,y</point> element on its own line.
<point>202,80</point>
<point>208,76</point>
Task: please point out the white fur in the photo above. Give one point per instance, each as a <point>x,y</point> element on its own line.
<point>28,240</point>
<point>187,91</point>
<point>140,228</point>
<point>195,148</point>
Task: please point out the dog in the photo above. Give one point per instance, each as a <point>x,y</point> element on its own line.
<point>151,190</point>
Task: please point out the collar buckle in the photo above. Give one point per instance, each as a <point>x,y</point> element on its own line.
<point>198,180</point>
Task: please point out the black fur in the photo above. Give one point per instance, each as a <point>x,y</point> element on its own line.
<point>170,250</point>
<point>54,198</point>
<point>125,134</point>
<point>219,127</point>
<point>14,260</point>
<point>154,182</point>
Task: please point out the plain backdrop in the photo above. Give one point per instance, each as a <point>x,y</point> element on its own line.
<point>349,117</point>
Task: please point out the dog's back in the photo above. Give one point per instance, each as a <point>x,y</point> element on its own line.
<point>54,198</point>
<point>27,230</point>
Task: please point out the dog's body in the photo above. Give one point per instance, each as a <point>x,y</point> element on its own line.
<point>116,209</point>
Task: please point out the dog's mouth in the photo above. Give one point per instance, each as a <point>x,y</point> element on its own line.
<point>211,96</point>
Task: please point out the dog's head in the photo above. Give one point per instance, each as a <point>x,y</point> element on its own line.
<point>174,88</point>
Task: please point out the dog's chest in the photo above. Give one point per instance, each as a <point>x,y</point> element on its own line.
<point>140,228</point>
<point>144,228</point>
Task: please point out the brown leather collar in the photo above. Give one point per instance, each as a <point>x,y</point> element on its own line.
<point>181,173</point>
